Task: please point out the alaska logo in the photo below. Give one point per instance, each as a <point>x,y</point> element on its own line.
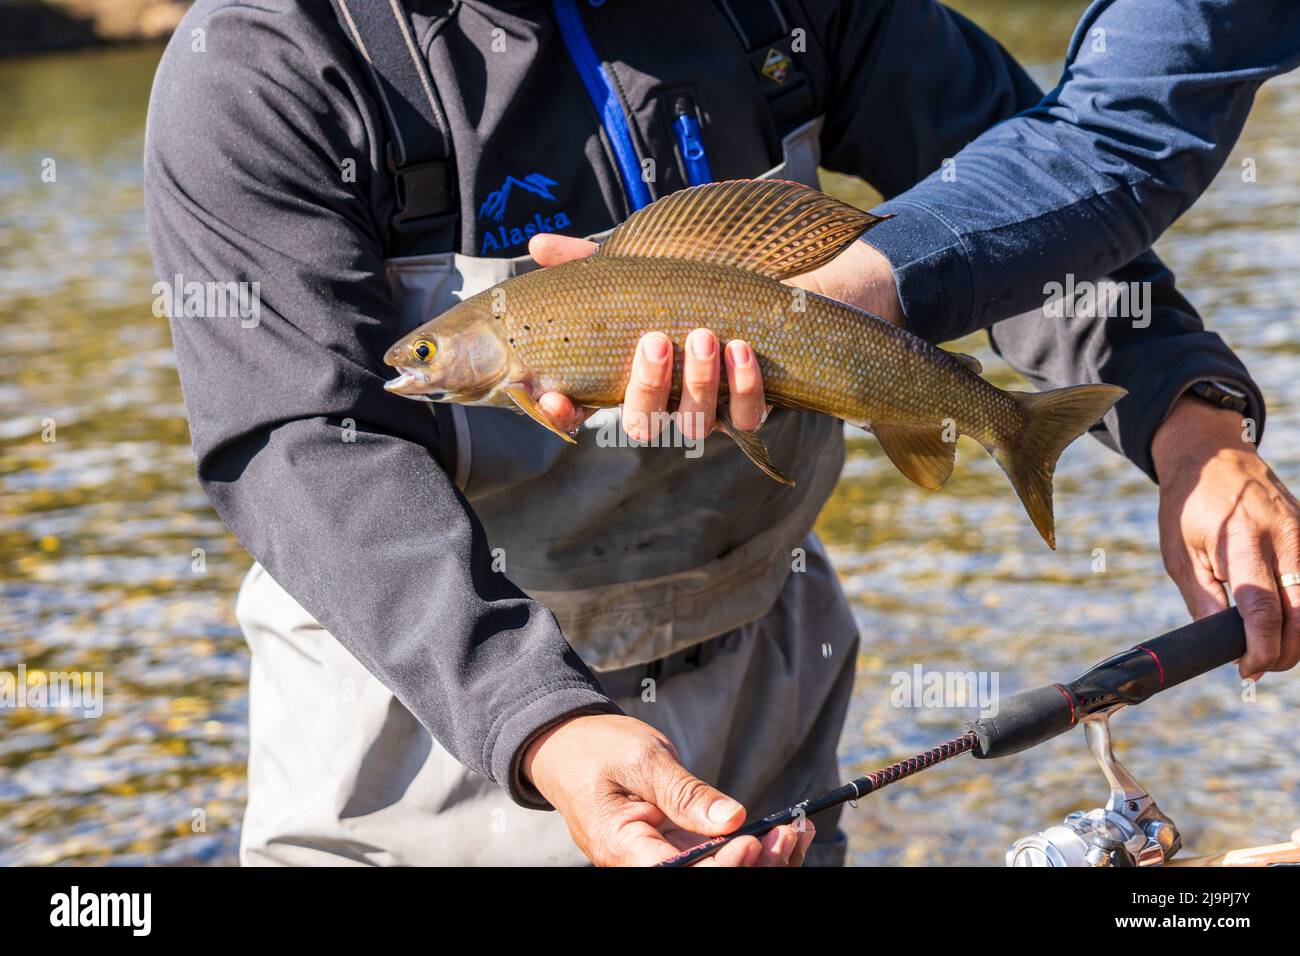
<point>502,236</point>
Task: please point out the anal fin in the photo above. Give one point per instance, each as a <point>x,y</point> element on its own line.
<point>919,453</point>
<point>523,398</point>
<point>755,450</point>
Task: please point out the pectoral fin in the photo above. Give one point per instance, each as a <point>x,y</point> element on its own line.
<point>755,450</point>
<point>522,397</point>
<point>919,453</point>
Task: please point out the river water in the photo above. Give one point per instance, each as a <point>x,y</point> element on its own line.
<point>112,561</point>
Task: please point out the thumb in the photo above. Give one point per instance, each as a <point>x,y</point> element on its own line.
<point>691,803</point>
<point>550,249</point>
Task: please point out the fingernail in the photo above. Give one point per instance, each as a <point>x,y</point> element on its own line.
<point>703,345</point>
<point>723,809</point>
<point>741,354</point>
<point>786,847</point>
<point>655,348</point>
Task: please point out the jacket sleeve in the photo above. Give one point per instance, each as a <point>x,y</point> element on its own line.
<point>1152,100</point>
<point>1156,356</point>
<point>329,481</point>
<point>994,221</point>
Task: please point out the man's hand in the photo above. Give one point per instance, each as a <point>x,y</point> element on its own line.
<point>1226,518</point>
<point>860,276</point>
<point>628,802</point>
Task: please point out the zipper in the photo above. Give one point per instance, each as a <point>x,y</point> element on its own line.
<point>687,127</point>
<point>604,98</point>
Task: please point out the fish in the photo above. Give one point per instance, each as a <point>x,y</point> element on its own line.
<point>715,256</point>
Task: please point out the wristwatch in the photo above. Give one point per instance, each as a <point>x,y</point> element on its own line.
<point>1222,394</point>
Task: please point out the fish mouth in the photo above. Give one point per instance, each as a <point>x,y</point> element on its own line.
<point>413,386</point>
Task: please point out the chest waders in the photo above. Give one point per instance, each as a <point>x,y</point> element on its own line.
<point>693,582</point>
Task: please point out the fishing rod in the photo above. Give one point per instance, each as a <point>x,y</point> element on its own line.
<point>1131,829</point>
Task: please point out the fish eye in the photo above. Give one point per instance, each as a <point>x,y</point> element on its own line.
<point>423,349</point>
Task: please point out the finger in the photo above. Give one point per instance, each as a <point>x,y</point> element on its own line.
<point>778,846</point>
<point>742,851</point>
<point>1286,545</point>
<point>561,410</point>
<point>700,376</point>
<point>745,386</point>
<point>1250,575</point>
<point>1202,592</point>
<point>805,831</point>
<point>687,800</point>
<point>645,403</point>
<point>549,249</point>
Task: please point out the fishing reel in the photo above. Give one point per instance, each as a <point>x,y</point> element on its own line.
<point>1130,830</point>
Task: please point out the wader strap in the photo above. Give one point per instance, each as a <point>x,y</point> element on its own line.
<point>420,148</point>
<point>766,34</point>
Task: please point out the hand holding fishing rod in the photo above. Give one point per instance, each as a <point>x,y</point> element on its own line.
<point>628,801</point>
<point>1131,827</point>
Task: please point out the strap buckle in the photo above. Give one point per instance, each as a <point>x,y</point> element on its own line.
<point>423,191</point>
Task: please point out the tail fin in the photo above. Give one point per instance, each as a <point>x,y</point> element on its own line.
<point>1055,419</point>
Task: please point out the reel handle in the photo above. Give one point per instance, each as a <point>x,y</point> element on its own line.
<point>1130,677</point>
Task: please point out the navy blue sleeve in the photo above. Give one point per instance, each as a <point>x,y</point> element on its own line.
<point>1156,356</point>
<point>999,192</point>
<point>1153,97</point>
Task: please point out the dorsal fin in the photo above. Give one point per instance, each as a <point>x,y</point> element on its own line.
<point>778,228</point>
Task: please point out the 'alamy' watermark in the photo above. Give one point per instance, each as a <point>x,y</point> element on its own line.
<point>208,300</point>
<point>75,908</point>
<point>662,427</point>
<point>53,690</point>
<point>1126,300</point>
<point>941,689</point>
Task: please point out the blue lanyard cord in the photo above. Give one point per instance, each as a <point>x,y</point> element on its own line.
<point>604,98</point>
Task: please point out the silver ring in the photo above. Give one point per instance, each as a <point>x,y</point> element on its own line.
<point>1289,580</point>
